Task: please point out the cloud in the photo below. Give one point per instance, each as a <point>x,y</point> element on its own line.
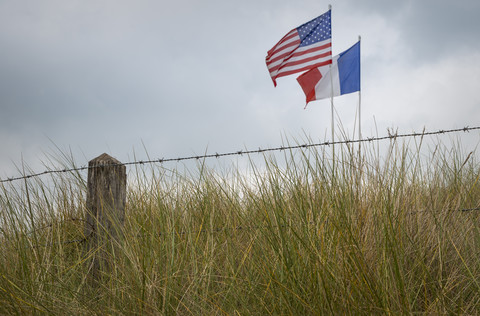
<point>180,76</point>
<point>440,94</point>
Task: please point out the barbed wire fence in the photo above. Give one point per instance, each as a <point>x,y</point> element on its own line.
<point>390,136</point>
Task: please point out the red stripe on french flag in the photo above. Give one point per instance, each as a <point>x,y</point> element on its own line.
<point>308,81</point>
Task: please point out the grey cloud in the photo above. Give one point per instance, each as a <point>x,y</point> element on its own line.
<point>430,29</point>
<point>179,76</point>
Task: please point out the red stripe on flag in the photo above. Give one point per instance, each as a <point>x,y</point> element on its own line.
<point>327,45</point>
<point>291,72</point>
<point>287,37</point>
<point>300,62</point>
<point>301,53</point>
<point>274,57</point>
<point>308,81</point>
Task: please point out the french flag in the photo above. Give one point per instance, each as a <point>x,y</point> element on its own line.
<point>341,77</point>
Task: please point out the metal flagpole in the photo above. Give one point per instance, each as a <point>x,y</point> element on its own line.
<point>333,118</point>
<point>360,104</point>
<point>360,164</point>
<point>331,102</point>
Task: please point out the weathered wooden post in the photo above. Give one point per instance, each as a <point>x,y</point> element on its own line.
<point>106,194</point>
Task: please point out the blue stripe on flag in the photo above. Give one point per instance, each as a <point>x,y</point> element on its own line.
<point>349,69</point>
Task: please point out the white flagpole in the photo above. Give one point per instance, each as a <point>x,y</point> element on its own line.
<point>360,127</point>
<point>360,103</point>
<point>332,108</point>
<point>333,118</point>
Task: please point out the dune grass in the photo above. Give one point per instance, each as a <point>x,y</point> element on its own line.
<point>296,235</point>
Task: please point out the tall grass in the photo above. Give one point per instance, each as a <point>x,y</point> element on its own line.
<point>301,234</point>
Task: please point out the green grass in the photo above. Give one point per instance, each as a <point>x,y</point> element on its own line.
<point>296,235</point>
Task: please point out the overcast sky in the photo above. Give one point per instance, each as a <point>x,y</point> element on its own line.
<point>178,77</point>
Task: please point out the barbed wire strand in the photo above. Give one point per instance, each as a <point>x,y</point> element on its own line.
<point>247,152</point>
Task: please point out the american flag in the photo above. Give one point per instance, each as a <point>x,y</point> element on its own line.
<point>303,48</point>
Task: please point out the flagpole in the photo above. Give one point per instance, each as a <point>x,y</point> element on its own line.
<point>333,118</point>
<point>360,127</point>
<point>359,104</point>
<point>332,108</point>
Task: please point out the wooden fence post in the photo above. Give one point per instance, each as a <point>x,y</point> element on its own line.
<point>106,194</point>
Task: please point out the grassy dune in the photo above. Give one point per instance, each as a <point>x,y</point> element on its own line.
<point>296,235</point>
